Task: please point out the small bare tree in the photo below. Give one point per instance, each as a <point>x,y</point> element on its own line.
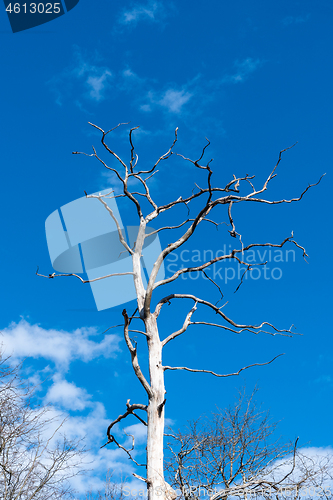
<point>240,189</point>
<point>36,462</point>
<point>232,454</point>
<point>112,490</point>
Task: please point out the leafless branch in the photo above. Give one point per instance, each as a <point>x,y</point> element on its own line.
<point>105,145</point>
<point>126,450</point>
<point>224,327</point>
<point>139,477</point>
<point>54,275</point>
<point>32,464</point>
<point>133,156</point>
<point>215,284</point>
<point>120,233</point>
<point>216,374</point>
<point>182,224</point>
<point>233,255</point>
<point>163,157</point>
<point>110,328</point>
<point>254,328</point>
<point>232,454</point>
<point>187,322</point>
<point>130,411</point>
<point>134,356</point>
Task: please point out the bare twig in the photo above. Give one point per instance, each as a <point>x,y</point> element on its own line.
<point>54,275</point>
<point>216,374</point>
<point>130,411</point>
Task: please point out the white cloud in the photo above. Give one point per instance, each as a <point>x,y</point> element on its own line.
<point>92,428</point>
<point>90,431</point>
<point>92,81</point>
<point>67,395</point>
<point>318,460</point>
<point>129,80</point>
<point>98,84</point>
<point>313,468</point>
<point>129,74</point>
<point>93,77</point>
<point>84,431</point>
<point>174,100</point>
<point>146,108</point>
<point>139,431</point>
<point>171,99</point>
<point>150,11</point>
<point>21,340</point>
<point>243,69</point>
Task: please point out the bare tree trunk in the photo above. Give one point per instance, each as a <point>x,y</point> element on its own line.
<point>155,474</point>
<point>157,488</point>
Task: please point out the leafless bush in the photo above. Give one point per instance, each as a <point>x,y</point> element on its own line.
<point>233,454</point>
<point>36,461</point>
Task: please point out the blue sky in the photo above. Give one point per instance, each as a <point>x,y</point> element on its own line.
<point>253,77</point>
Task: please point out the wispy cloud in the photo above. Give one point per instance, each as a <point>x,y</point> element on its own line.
<point>138,431</point>
<point>324,379</point>
<point>317,459</point>
<point>94,82</point>
<point>182,98</point>
<point>295,19</point>
<point>92,78</point>
<point>22,340</point>
<point>243,70</point>
<point>150,11</point>
<point>172,100</point>
<point>91,428</point>
<point>97,84</point>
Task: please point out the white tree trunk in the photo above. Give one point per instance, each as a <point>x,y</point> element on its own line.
<point>155,475</point>
<point>158,489</point>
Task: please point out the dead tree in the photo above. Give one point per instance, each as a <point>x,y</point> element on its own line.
<point>232,453</point>
<point>148,210</point>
